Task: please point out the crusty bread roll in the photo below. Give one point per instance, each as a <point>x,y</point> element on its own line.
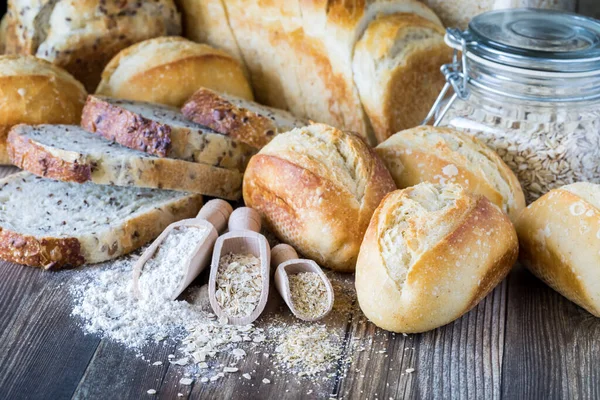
<point>33,91</point>
<point>560,242</point>
<point>443,155</point>
<point>83,35</point>
<point>431,253</point>
<point>168,70</point>
<point>316,188</point>
<point>395,88</point>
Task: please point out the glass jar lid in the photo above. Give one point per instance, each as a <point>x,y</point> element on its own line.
<point>533,39</point>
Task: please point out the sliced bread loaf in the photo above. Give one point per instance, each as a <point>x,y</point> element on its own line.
<point>162,131</point>
<point>245,120</point>
<point>69,153</point>
<point>52,224</point>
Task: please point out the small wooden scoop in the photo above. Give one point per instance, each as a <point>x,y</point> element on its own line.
<point>286,260</point>
<point>213,217</point>
<point>242,238</point>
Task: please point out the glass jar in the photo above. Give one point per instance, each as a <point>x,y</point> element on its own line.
<point>527,83</point>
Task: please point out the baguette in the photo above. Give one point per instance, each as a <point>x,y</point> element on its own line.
<point>162,131</point>
<point>52,224</point>
<point>70,154</point>
<point>246,121</point>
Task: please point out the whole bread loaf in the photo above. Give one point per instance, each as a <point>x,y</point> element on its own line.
<point>83,35</point>
<point>168,70</point>
<point>443,155</point>
<point>431,253</point>
<point>316,187</point>
<point>301,57</point>
<point>52,224</point>
<point>560,242</point>
<point>33,91</point>
<point>71,154</point>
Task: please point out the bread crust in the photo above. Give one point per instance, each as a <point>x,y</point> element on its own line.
<point>161,173</point>
<point>560,244</point>
<point>36,92</point>
<point>448,279</point>
<point>313,212</point>
<point>168,70</point>
<point>209,108</point>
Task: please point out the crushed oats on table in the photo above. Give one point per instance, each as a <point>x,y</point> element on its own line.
<point>309,294</point>
<point>239,284</point>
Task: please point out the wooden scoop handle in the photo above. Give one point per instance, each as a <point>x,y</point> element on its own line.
<point>244,219</point>
<point>282,253</point>
<point>217,212</point>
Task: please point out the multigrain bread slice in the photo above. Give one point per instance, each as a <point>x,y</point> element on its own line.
<point>52,224</point>
<point>247,121</point>
<point>162,131</point>
<point>69,153</point>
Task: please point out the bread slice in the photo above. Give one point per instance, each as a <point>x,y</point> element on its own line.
<point>52,224</point>
<point>69,153</point>
<point>162,131</point>
<point>247,121</point>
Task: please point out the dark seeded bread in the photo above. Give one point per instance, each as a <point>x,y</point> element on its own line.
<point>245,120</point>
<point>69,153</point>
<point>162,131</point>
<point>52,224</point>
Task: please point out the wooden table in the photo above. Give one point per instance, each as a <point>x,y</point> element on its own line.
<point>523,341</point>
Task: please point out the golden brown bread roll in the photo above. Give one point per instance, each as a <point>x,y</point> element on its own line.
<point>316,188</point>
<point>560,242</point>
<point>431,253</point>
<point>83,35</point>
<point>33,91</point>
<point>443,155</point>
<point>168,70</point>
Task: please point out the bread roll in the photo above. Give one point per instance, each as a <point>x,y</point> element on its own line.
<point>442,155</point>
<point>83,35</point>
<point>431,253</point>
<point>560,242</point>
<point>168,70</point>
<point>33,91</point>
<point>316,188</point>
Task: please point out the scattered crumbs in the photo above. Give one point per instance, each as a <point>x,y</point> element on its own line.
<point>238,353</point>
<point>247,376</point>
<point>410,370</point>
<point>157,363</point>
<point>151,391</point>
<point>215,378</point>
<point>186,381</point>
<point>230,369</point>
<point>266,381</point>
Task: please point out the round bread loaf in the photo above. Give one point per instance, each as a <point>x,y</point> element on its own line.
<point>560,242</point>
<point>442,155</point>
<point>431,253</point>
<point>168,70</point>
<point>33,91</point>
<point>83,35</point>
<point>316,188</point>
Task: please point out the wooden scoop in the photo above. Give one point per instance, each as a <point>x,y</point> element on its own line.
<point>286,260</point>
<point>213,217</point>
<point>242,238</point>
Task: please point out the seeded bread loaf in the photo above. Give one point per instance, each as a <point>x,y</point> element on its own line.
<point>431,253</point>
<point>69,153</point>
<point>560,242</point>
<point>168,70</point>
<point>83,35</point>
<point>162,131</point>
<point>52,224</point>
<point>316,188</point>
<point>33,91</point>
<point>442,155</point>
<point>247,121</point>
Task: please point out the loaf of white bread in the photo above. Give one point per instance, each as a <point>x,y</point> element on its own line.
<point>316,188</point>
<point>370,67</point>
<point>443,155</point>
<point>168,70</point>
<point>82,36</point>
<point>560,242</point>
<point>430,254</point>
<point>33,91</point>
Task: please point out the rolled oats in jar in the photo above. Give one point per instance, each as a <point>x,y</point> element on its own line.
<point>527,82</point>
